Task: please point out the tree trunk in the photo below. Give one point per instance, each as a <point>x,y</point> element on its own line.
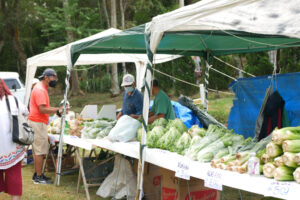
<point>10,11</point>
<point>100,13</point>
<point>237,61</point>
<point>123,5</point>
<point>115,90</point>
<point>20,50</point>
<point>75,90</point>
<point>181,3</point>
<point>1,45</point>
<point>105,12</point>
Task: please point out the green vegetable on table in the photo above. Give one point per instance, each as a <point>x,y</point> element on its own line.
<point>284,173</point>
<point>178,124</point>
<point>182,143</point>
<point>288,133</point>
<point>274,150</point>
<point>154,135</point>
<point>291,146</point>
<point>289,159</point>
<point>167,141</point>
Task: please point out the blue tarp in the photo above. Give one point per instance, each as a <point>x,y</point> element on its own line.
<point>250,93</point>
<point>185,114</point>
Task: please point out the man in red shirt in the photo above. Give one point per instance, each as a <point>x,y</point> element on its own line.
<point>39,119</point>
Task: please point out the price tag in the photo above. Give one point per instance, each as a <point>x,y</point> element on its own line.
<point>183,169</point>
<point>213,180</point>
<point>283,190</point>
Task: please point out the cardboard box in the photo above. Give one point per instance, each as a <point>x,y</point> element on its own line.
<point>161,184</point>
<point>195,189</point>
<point>170,187</point>
<point>152,180</point>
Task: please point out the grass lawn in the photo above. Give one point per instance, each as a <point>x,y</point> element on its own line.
<point>66,190</point>
<point>218,107</point>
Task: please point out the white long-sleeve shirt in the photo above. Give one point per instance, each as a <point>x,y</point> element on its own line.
<point>10,153</point>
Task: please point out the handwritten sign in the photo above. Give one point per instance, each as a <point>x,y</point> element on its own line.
<point>282,190</point>
<point>213,180</point>
<point>183,169</point>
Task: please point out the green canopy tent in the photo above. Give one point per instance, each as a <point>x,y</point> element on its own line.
<point>197,43</point>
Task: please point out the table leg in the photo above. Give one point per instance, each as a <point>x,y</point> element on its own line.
<point>78,183</point>
<point>80,160</point>
<point>45,161</point>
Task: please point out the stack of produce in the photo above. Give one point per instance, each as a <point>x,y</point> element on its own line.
<point>55,126</point>
<point>237,159</point>
<point>172,135</point>
<point>97,129</point>
<point>217,143</point>
<point>72,123</point>
<point>282,158</point>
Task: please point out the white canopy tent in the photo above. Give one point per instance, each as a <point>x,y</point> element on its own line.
<point>59,57</point>
<point>254,16</point>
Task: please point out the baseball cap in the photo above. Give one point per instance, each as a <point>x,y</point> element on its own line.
<point>128,79</point>
<point>48,72</point>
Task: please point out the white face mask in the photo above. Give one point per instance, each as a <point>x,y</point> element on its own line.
<point>129,89</point>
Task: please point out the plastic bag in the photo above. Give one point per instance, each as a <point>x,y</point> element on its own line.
<point>121,182</point>
<point>125,129</point>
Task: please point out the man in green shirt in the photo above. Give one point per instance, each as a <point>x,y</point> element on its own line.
<point>162,106</point>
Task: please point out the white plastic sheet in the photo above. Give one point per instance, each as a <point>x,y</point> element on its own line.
<point>121,182</point>
<point>125,129</point>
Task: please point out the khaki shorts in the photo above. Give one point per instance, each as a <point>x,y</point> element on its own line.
<point>40,145</point>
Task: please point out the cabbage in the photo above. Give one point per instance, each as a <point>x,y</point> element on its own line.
<point>168,140</point>
<point>103,123</point>
<point>88,124</point>
<point>93,133</point>
<point>160,122</point>
<point>195,140</point>
<point>104,132</point>
<point>154,135</point>
<point>178,124</point>
<point>182,143</point>
<point>215,147</point>
<point>213,134</point>
<point>196,130</point>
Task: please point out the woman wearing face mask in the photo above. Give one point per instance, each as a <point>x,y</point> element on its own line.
<point>132,98</point>
<point>38,119</point>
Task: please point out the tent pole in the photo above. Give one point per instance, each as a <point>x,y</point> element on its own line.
<point>147,93</point>
<point>207,62</point>
<point>59,156</point>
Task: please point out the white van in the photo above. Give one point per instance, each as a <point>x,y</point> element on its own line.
<point>14,84</point>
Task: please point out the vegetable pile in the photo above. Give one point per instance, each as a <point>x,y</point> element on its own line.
<point>279,153</point>
<point>282,157</point>
<point>172,135</point>
<point>73,125</point>
<point>97,129</point>
<point>237,159</point>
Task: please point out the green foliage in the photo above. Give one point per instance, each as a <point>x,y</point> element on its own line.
<point>94,79</point>
<point>258,64</point>
<point>182,68</point>
<point>144,10</point>
<point>289,60</point>
<point>217,80</point>
<point>84,21</point>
